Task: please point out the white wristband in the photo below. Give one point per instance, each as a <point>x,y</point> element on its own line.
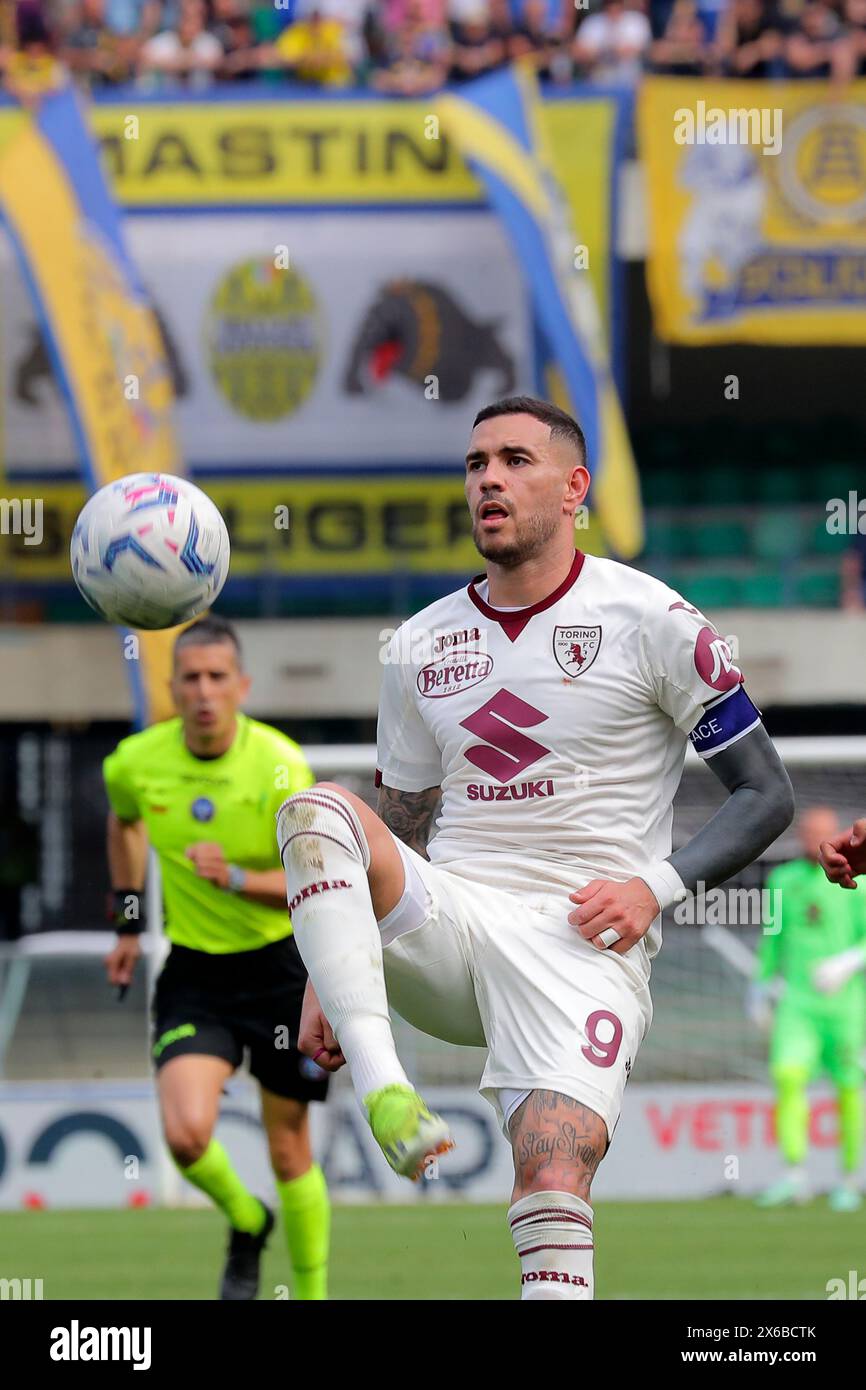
<point>665,883</point>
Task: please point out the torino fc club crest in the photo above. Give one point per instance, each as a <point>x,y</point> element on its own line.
<point>576,648</point>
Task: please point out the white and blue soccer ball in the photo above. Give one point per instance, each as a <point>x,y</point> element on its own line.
<point>150,551</point>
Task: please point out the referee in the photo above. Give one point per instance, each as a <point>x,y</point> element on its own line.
<point>203,789</point>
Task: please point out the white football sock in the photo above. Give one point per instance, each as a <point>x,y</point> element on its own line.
<point>325,856</point>
<point>552,1233</point>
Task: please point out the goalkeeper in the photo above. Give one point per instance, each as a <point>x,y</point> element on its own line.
<point>817,955</point>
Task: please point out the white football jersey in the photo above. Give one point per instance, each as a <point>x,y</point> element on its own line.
<point>557,732</point>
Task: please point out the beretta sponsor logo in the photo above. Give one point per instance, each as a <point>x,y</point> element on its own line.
<point>456,670</point>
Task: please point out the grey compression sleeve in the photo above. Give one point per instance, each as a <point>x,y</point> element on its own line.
<point>760,806</point>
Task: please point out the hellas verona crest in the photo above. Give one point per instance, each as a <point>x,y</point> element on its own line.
<point>576,648</point>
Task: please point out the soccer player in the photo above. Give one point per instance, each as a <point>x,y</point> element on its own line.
<point>820,1020</point>
<point>203,789</point>
<point>549,704</point>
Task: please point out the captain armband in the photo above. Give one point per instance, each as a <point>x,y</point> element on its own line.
<point>723,722</point>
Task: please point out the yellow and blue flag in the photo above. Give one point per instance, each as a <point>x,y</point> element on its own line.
<point>495,122</point>
<point>99,328</point>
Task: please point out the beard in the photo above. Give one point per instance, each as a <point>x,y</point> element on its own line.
<point>530,539</point>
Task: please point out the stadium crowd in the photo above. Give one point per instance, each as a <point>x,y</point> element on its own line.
<point>410,47</point>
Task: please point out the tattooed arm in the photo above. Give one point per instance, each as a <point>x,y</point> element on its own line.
<point>409,815</point>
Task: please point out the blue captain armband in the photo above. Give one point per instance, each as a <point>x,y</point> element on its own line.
<point>723,722</point>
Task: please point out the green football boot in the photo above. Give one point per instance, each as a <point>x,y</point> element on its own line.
<point>405,1130</point>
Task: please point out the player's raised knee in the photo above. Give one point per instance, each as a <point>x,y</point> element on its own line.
<point>312,820</point>
<point>356,803</point>
<point>330,789</point>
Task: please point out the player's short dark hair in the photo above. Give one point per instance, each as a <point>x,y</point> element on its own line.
<point>208,631</point>
<point>562,425</point>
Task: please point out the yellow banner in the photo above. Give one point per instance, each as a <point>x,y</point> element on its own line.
<point>308,151</point>
<point>278,152</point>
<point>301,528</point>
<point>757,210</point>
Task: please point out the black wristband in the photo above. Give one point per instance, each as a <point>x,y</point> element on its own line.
<point>126,911</point>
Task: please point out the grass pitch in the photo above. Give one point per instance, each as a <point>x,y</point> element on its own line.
<point>722,1248</point>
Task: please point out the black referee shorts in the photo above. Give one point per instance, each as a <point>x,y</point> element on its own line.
<point>220,1005</point>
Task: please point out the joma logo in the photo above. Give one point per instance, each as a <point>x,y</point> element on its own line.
<point>312,888</point>
<point>553,1276</point>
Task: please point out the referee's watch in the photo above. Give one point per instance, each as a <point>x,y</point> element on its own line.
<point>237,879</point>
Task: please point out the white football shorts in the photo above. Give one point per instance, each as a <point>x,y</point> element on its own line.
<point>483,967</point>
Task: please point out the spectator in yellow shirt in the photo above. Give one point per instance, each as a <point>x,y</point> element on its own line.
<point>314,49</point>
<point>30,69</point>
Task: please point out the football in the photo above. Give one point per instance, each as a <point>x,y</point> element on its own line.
<point>150,551</point>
